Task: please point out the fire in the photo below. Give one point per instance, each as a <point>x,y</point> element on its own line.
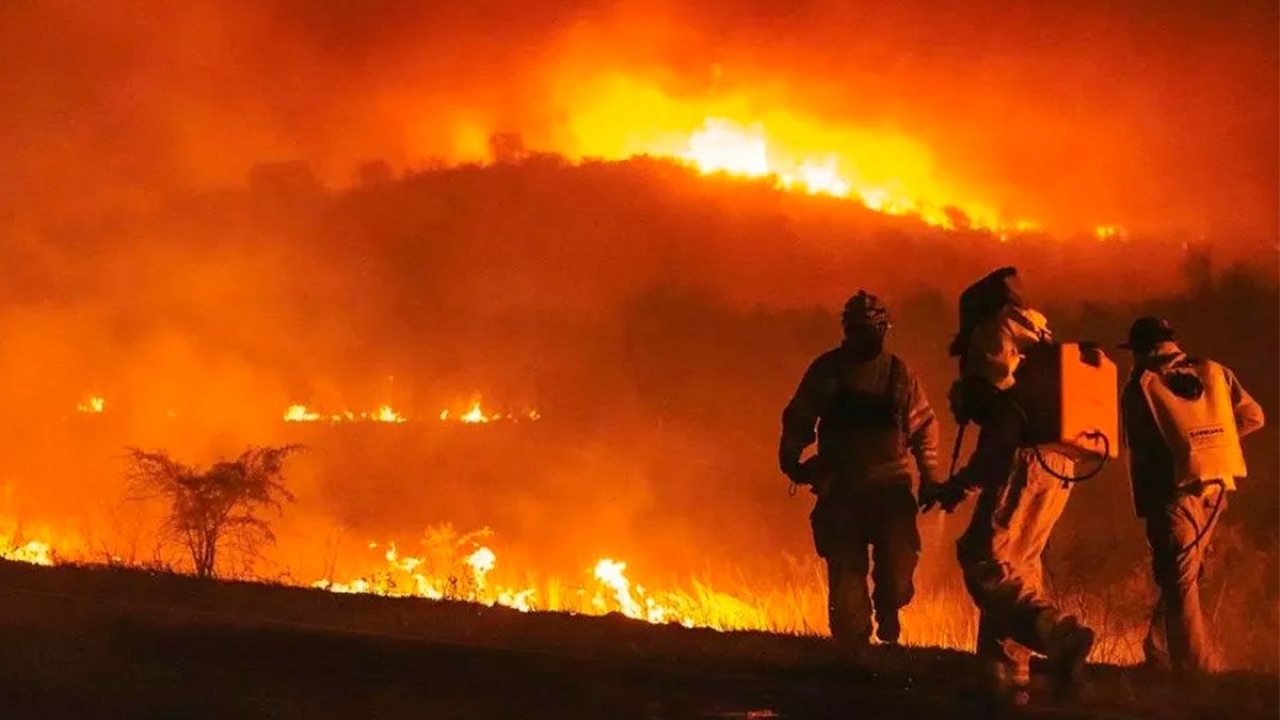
<point>611,574</point>
<point>465,567</point>
<point>722,145</point>
<point>408,576</point>
<point>388,415</point>
<point>1109,232</point>
<point>93,405</point>
<point>384,414</point>
<point>34,552</point>
<point>742,133</point>
<point>481,562</point>
<point>300,413</point>
<point>476,415</point>
<point>473,415</point>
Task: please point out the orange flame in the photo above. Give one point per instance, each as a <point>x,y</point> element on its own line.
<point>34,552</point>
<point>300,413</point>
<point>476,415</point>
<point>458,567</point>
<point>1110,232</point>
<point>384,414</point>
<point>93,405</point>
<point>617,116</point>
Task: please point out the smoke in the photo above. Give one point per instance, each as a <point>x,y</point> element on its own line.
<point>160,255</point>
<point>1156,116</point>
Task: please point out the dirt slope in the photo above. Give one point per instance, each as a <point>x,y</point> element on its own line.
<point>91,643</point>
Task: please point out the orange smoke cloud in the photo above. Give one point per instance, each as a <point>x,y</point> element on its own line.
<point>1148,116</point>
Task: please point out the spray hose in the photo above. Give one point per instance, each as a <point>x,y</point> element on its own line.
<point>1069,479</point>
<point>1106,455</point>
<point>1208,525</point>
<point>1066,479</point>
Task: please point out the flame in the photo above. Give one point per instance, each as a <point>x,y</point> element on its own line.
<point>1110,232</point>
<point>300,413</point>
<point>741,133</point>
<point>34,552</point>
<point>384,414</point>
<point>458,567</point>
<point>475,415</point>
<point>94,405</point>
<point>482,562</point>
<point>388,415</point>
<point>724,146</point>
<point>611,574</point>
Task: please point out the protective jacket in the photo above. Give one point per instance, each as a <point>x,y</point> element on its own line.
<point>997,345</point>
<point>868,418</point>
<point>992,351</point>
<point>1183,420</point>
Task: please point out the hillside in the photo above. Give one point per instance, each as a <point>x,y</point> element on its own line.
<point>657,319</point>
<point>95,642</point>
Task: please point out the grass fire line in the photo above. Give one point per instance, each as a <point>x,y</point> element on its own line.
<point>453,566</point>
<point>469,567</point>
<point>465,567</point>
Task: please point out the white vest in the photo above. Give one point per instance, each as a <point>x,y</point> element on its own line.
<point>1201,433</point>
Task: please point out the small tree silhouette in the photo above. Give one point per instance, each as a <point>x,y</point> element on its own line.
<point>217,508</point>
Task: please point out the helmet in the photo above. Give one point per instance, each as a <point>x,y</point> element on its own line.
<point>865,309</point>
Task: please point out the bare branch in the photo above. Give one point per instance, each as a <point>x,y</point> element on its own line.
<point>217,507</point>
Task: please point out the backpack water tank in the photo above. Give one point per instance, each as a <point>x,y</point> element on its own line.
<point>1070,393</point>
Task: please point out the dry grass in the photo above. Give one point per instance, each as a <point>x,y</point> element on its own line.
<point>1244,628</point>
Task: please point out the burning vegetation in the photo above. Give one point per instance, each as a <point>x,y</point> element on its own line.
<point>628,256</point>
<point>646,486</point>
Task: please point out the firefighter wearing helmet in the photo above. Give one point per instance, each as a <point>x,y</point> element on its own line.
<point>869,416</point>
<point>1020,492</point>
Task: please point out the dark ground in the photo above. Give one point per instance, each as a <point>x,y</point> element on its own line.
<point>97,643</point>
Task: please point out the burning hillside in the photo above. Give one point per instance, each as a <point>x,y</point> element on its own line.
<point>585,255</point>
<point>649,488</point>
<point>885,173</point>
<point>911,108</point>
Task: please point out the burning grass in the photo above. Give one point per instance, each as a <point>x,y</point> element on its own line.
<point>449,566</point>
<point>452,566</point>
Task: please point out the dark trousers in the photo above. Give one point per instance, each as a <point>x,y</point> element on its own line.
<point>868,532</point>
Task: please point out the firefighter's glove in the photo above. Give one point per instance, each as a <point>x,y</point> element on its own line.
<point>930,494</point>
<point>946,495</point>
<point>795,473</point>
<point>817,474</point>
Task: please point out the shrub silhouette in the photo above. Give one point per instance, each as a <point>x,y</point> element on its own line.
<point>217,508</point>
